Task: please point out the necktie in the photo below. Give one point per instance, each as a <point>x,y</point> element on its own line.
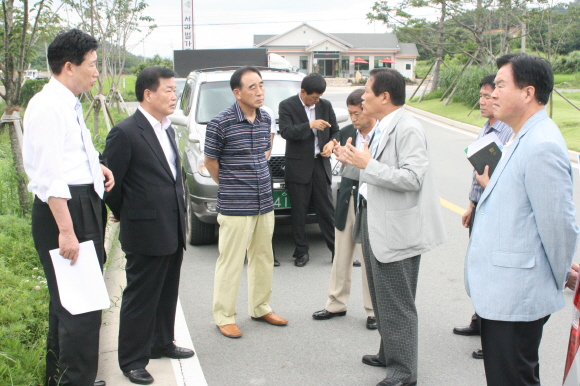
<point>91,152</point>
<point>375,143</point>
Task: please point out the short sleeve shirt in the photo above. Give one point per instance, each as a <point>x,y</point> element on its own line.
<point>239,145</point>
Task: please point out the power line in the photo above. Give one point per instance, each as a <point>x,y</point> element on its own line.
<point>260,22</point>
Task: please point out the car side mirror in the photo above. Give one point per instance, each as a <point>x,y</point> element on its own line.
<point>193,137</point>
<point>341,114</point>
<point>177,118</point>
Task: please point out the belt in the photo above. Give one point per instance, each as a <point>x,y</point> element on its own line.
<point>81,189</point>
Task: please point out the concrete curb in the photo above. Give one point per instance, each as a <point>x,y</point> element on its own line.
<point>573,155</point>
<point>162,369</point>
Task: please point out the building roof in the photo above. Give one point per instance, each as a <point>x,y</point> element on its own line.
<point>409,49</point>
<point>354,40</point>
<point>359,40</point>
<point>262,38</point>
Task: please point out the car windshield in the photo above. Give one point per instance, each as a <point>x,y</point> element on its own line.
<point>216,96</point>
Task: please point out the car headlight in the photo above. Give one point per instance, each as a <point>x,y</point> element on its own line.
<point>202,169</point>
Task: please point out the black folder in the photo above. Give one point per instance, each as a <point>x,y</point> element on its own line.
<point>488,155</point>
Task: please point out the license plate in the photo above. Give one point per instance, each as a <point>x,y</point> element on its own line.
<point>281,199</point>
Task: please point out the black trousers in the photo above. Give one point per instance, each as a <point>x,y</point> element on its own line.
<point>511,351</point>
<point>72,344</point>
<point>148,308</point>
<point>475,319</point>
<point>318,190</point>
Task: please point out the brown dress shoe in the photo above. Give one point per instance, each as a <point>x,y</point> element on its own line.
<point>272,318</point>
<point>230,330</point>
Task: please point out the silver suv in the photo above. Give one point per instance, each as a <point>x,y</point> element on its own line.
<point>206,93</point>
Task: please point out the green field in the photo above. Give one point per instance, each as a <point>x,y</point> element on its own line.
<point>566,116</point>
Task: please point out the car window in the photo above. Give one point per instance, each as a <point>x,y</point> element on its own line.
<point>185,100</point>
<point>217,96</point>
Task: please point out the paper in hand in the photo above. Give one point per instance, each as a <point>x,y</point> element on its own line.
<point>81,286</point>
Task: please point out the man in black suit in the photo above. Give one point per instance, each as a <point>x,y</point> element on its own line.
<point>308,125</point>
<point>148,200</point>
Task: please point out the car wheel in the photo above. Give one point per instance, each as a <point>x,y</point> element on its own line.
<point>197,232</point>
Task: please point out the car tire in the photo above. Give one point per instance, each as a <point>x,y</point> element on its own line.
<point>197,232</point>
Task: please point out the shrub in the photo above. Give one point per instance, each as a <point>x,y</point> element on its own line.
<point>30,87</point>
<point>468,87</point>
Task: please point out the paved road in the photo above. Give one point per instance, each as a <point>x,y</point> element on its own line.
<point>311,352</point>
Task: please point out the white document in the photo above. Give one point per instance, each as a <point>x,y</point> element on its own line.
<point>482,142</point>
<point>81,286</point>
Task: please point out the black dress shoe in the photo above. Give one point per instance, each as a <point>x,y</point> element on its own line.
<point>373,360</point>
<point>302,260</point>
<point>100,383</point>
<point>276,262</point>
<point>477,354</point>
<point>467,330</point>
<point>372,323</point>
<point>325,314</point>
<point>173,352</point>
<point>139,376</point>
<point>356,263</point>
<point>390,382</point>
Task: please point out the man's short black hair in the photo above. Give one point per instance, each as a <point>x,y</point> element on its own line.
<point>355,98</point>
<point>236,79</point>
<point>391,81</point>
<point>148,79</point>
<point>69,46</point>
<point>313,83</point>
<point>529,70</point>
<point>488,80</point>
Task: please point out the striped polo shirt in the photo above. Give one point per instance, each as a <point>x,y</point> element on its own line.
<point>239,145</point>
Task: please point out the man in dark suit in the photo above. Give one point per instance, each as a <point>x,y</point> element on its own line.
<point>308,125</point>
<point>361,131</point>
<point>148,200</point>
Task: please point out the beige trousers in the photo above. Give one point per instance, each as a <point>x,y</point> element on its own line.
<point>238,235</point>
<point>341,274</point>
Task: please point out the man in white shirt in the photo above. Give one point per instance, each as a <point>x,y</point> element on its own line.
<point>148,200</point>
<point>66,178</point>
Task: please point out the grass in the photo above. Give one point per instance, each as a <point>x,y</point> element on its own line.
<point>24,311</point>
<point>564,81</point>
<point>566,116</point>
<point>126,85</point>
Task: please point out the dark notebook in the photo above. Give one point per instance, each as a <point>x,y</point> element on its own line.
<point>488,155</point>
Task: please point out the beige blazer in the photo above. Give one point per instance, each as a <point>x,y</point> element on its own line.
<point>404,211</point>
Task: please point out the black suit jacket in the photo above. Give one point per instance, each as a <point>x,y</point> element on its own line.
<point>295,129</point>
<point>146,198</point>
<point>346,184</point>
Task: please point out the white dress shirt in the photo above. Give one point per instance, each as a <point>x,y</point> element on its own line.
<point>53,151</point>
<point>160,129</point>
<point>311,114</point>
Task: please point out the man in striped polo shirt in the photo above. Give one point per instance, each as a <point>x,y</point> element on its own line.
<point>236,142</point>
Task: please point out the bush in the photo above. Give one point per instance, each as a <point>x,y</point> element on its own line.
<point>24,311</point>
<point>568,64</point>
<point>468,88</point>
<point>30,87</point>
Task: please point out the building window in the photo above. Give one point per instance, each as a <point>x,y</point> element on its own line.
<point>362,67</point>
<point>304,64</point>
<point>380,63</point>
<point>408,66</point>
<point>345,66</point>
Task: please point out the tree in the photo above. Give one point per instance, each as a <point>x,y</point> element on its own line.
<point>111,22</point>
<point>22,26</point>
<point>156,60</point>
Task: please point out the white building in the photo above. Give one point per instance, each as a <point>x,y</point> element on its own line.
<point>340,54</point>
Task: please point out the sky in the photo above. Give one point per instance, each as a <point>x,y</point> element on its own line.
<point>232,24</point>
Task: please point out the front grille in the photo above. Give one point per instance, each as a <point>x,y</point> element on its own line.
<point>277,165</point>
